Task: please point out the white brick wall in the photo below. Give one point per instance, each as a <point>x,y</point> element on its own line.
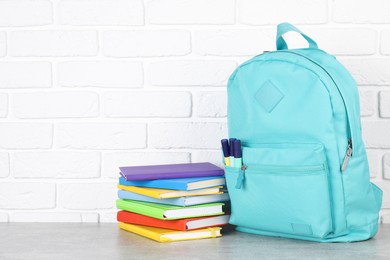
<point>346,41</point>
<point>272,12</point>
<point>190,72</point>
<point>87,86</point>
<point>376,134</point>
<point>146,104</point>
<point>4,217</point>
<point>207,156</point>
<point>25,13</point>
<point>53,43</point>
<point>26,135</point>
<point>369,71</point>
<point>110,74</point>
<point>56,104</point>
<point>211,104</point>
<point>88,196</point>
<point>3,44</point>
<point>27,195</point>
<point>386,166</point>
<point>385,42</point>
<point>25,74</point>
<point>207,12</point>
<point>56,164</point>
<point>146,43</point>
<point>4,164</point>
<point>192,135</point>
<point>3,104</point>
<point>103,12</point>
<point>232,42</point>
<point>361,11</point>
<point>101,136</point>
<point>384,103</point>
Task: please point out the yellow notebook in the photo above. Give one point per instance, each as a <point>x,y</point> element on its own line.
<point>165,194</point>
<point>168,235</point>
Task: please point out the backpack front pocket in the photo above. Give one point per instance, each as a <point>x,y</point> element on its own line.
<point>283,188</point>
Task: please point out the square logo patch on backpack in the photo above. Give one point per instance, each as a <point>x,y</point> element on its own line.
<point>269,96</point>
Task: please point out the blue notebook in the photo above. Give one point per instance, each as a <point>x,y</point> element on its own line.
<point>183,201</point>
<point>178,184</point>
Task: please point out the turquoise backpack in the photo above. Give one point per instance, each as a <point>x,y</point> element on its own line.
<point>305,171</point>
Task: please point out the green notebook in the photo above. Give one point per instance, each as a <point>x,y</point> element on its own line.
<point>164,211</point>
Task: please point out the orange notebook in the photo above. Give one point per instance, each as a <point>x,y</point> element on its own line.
<point>181,224</point>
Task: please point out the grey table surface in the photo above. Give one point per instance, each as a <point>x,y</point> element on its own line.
<point>106,241</point>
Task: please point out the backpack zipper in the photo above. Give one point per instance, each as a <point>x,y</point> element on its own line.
<point>241,176</point>
<point>347,156</point>
<point>272,169</point>
<point>292,169</point>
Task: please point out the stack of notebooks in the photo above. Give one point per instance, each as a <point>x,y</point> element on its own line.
<point>172,202</point>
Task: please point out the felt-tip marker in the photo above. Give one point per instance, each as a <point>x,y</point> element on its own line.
<point>231,146</point>
<point>225,149</point>
<point>237,154</point>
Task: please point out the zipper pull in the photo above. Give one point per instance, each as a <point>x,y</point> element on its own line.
<point>347,156</point>
<point>241,176</point>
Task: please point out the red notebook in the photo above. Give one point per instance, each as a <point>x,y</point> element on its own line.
<point>181,224</point>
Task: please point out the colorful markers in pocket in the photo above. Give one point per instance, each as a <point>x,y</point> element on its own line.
<point>237,154</point>
<point>231,146</point>
<point>225,149</point>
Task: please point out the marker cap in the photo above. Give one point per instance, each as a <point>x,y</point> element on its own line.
<point>237,149</point>
<point>225,147</point>
<point>231,143</point>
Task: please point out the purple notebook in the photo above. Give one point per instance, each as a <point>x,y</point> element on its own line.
<point>170,171</point>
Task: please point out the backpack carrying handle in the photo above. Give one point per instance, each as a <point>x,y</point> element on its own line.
<point>287,27</point>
